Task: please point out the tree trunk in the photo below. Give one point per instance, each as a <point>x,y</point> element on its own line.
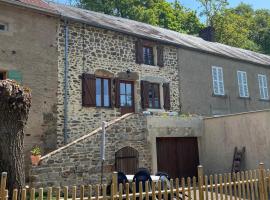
<point>15,103</point>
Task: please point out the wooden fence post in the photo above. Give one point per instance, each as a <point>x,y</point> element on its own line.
<point>115,182</point>
<point>3,185</point>
<point>200,182</point>
<point>5,197</point>
<point>261,181</point>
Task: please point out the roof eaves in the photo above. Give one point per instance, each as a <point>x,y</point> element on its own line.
<point>36,8</point>
<point>161,41</point>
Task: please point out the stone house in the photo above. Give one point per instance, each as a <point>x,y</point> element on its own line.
<point>103,68</point>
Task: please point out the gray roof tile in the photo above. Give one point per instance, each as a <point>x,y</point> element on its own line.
<point>156,33</point>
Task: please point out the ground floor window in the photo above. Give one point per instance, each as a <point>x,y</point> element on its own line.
<point>102,92</point>
<point>154,95</point>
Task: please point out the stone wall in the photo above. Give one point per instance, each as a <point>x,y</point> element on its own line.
<point>93,49</point>
<point>79,162</point>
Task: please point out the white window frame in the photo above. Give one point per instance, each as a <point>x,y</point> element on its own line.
<point>218,81</point>
<point>263,87</point>
<point>243,84</point>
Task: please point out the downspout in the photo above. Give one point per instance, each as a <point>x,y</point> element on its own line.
<point>66,83</point>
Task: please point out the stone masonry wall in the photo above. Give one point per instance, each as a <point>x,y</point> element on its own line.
<point>92,49</point>
<point>79,162</point>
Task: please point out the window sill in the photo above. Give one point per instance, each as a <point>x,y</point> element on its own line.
<point>155,110</point>
<point>224,96</point>
<point>248,98</point>
<point>265,100</point>
<point>107,108</point>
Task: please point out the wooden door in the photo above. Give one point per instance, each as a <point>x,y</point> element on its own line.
<point>178,157</point>
<point>126,96</point>
<point>126,160</point>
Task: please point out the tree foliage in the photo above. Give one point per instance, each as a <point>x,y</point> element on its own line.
<point>210,8</point>
<point>156,12</point>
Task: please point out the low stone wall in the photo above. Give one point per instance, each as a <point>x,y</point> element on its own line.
<point>79,162</point>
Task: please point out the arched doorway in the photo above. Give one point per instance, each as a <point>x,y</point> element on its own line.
<point>126,160</point>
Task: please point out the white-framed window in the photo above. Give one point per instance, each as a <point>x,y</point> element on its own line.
<point>242,84</point>
<point>218,83</point>
<point>263,86</point>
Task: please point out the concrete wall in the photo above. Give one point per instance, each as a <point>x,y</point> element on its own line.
<point>222,134</point>
<point>197,89</point>
<point>29,46</point>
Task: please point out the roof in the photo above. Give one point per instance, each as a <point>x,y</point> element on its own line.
<point>144,30</point>
<point>156,33</point>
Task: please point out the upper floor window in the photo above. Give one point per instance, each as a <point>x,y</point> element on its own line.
<point>3,27</point>
<point>154,95</point>
<point>218,83</point>
<point>148,56</point>
<point>149,53</point>
<point>3,75</point>
<point>102,92</point>
<point>242,84</point>
<point>263,86</point>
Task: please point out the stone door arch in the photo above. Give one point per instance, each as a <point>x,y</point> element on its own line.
<point>127,160</point>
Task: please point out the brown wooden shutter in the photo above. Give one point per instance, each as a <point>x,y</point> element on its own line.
<point>88,90</point>
<point>160,59</point>
<point>166,94</point>
<point>139,51</point>
<point>144,94</point>
<point>117,92</point>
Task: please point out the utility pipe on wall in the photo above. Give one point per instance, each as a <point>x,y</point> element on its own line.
<point>66,83</point>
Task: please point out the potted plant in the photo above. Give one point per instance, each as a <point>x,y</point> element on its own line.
<point>35,155</point>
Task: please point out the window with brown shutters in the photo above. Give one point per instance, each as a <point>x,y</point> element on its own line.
<point>149,53</point>
<point>160,59</point>
<point>153,96</point>
<point>116,92</point>
<point>96,91</point>
<point>166,95</point>
<point>139,51</point>
<point>144,94</point>
<point>88,90</point>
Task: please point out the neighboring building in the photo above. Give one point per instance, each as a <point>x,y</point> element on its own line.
<point>28,54</point>
<point>99,67</point>
<point>215,85</point>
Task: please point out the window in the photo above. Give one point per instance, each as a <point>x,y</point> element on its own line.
<point>149,53</point>
<point>242,84</point>
<point>3,27</point>
<point>102,92</point>
<point>3,75</point>
<point>263,86</point>
<point>154,95</point>
<point>126,99</point>
<point>148,56</point>
<point>218,83</point>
